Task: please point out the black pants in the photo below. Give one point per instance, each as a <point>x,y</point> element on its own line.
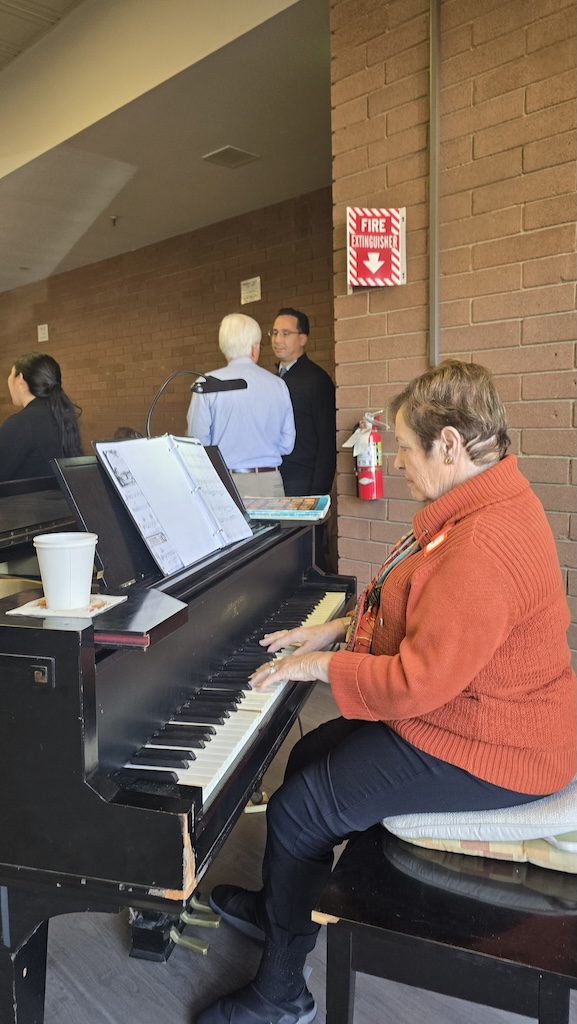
<point>342,778</point>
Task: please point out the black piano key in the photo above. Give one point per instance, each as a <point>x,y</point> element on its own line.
<point>181,723</point>
<point>235,689</point>
<point>160,759</point>
<point>232,679</point>
<point>200,708</point>
<point>226,708</point>
<point>230,694</point>
<point>129,776</point>
<point>240,656</point>
<point>244,669</point>
<point>246,689</point>
<point>198,718</point>
<point>253,651</point>
<point>238,674</point>
<point>177,750</point>
<point>222,706</point>
<point>212,702</point>
<point>240,663</point>
<point>206,694</point>
<point>218,701</point>
<point>196,733</point>
<point>174,740</point>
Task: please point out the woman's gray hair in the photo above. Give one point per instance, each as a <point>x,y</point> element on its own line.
<point>237,335</point>
<point>459,395</point>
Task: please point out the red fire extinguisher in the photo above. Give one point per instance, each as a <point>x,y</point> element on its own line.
<point>370,467</point>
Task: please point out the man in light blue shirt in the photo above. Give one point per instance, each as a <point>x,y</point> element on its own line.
<point>253,427</point>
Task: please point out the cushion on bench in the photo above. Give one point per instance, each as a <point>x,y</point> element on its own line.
<point>542,832</point>
<point>531,851</point>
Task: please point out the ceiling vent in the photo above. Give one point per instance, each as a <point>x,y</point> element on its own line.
<point>230,156</point>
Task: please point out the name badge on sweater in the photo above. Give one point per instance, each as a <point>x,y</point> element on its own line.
<point>438,539</point>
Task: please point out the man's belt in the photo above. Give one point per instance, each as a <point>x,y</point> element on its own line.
<point>257,469</point>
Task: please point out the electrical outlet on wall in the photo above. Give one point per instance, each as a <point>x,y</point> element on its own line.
<point>42,331</point>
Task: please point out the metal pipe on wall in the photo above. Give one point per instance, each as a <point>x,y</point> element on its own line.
<point>434,156</point>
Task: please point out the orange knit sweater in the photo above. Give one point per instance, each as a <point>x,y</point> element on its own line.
<point>469,658</point>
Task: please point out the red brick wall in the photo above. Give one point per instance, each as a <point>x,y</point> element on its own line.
<point>507,237</point>
<point>119,328</point>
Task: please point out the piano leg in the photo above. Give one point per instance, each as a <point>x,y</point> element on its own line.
<point>22,958</point>
<point>24,918</point>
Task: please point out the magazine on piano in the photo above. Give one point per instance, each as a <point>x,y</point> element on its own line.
<point>308,508</point>
<point>176,498</point>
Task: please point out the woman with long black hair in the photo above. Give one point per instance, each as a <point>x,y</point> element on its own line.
<point>45,428</point>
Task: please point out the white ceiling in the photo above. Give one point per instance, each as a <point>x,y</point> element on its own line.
<point>24,22</point>
<point>137,176</point>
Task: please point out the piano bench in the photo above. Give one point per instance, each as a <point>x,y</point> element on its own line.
<point>492,932</point>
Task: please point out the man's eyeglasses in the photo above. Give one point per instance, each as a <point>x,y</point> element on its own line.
<point>283,334</point>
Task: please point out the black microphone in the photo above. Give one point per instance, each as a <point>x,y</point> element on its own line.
<point>212,384</point>
<point>208,385</point>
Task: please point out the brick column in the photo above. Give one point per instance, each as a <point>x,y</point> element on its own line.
<point>507,234</point>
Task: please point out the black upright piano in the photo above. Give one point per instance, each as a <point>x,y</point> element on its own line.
<point>100,806</point>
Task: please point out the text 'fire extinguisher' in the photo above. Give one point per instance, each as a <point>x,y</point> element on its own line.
<point>368,452</point>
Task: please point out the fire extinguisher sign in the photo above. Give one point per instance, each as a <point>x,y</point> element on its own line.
<point>376,246</point>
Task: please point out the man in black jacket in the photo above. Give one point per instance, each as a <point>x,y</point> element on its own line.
<point>310,468</point>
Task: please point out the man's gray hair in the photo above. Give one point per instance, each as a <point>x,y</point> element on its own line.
<point>237,334</point>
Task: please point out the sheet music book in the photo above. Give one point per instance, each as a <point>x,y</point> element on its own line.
<point>176,498</point>
<point>308,508</point>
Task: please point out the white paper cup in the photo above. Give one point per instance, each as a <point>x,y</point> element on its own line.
<point>66,561</point>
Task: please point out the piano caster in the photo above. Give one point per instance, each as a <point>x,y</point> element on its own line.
<point>257,802</point>
<point>188,941</point>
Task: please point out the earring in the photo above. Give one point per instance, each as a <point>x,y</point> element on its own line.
<point>448,460</point>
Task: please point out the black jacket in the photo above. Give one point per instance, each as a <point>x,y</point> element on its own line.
<point>28,440</point>
<point>310,468</point>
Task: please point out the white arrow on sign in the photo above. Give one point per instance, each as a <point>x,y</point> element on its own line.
<point>373,262</point>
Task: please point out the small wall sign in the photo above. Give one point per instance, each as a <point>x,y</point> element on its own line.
<point>250,290</point>
<point>376,246</point>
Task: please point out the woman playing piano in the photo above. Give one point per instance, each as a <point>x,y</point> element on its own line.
<point>453,679</point>
<point>46,426</point>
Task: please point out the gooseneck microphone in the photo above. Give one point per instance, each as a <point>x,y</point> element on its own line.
<point>213,384</point>
<point>205,385</point>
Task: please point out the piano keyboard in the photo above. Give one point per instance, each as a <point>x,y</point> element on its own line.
<point>226,739</point>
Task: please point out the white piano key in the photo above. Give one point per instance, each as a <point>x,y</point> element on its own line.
<point>328,608</point>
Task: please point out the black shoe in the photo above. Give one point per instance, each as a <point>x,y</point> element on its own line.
<point>247,1006</point>
<point>238,907</point>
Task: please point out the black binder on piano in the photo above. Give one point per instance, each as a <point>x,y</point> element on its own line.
<point>101,814</point>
